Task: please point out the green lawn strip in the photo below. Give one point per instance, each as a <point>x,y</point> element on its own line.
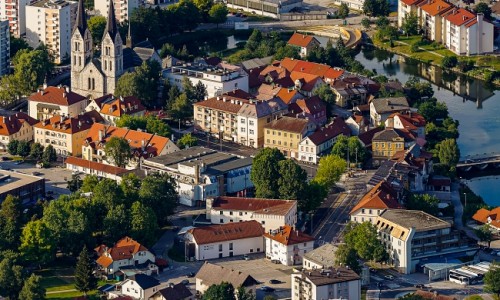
<point>70,295</point>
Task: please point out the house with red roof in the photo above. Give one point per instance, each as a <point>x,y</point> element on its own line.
<point>408,120</point>
<point>270,213</point>
<point>15,126</point>
<point>490,217</point>
<point>431,14</point>
<point>112,108</point>
<point>327,73</point>
<point>224,240</point>
<point>312,108</point>
<point>55,100</point>
<point>312,147</point>
<point>287,245</point>
<point>124,254</point>
<point>304,43</point>
<point>306,83</point>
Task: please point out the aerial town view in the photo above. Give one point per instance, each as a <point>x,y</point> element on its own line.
<point>250,149</point>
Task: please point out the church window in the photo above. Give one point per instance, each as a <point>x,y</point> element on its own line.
<point>105,65</point>
<point>111,66</point>
<point>74,59</point>
<point>93,84</point>
<point>89,84</point>
<point>79,60</point>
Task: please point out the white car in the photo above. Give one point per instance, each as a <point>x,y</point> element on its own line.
<point>389,277</point>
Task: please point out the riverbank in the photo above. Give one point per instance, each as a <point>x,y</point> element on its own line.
<point>433,54</point>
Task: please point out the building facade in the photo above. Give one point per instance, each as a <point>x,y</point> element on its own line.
<point>51,101</point>
<point>268,8</point>
<point>50,23</point>
<point>123,9</point>
<point>287,245</point>
<point>112,109</point>
<point>4,47</point>
<point>388,142</point>
<point>15,12</point>
<point>305,43</point>
<point>15,126</point>
<point>286,133</point>
<point>381,197</point>
<point>210,274</point>
<point>332,283</point>
<point>381,109</point>
<point>28,188</point>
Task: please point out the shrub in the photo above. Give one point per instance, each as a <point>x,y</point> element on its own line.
<point>449,62</point>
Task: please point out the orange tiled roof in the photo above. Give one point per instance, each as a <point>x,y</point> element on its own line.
<point>410,2</point>
<point>12,124</point>
<point>122,106</point>
<point>435,7</point>
<point>302,40</point>
<point>123,249</point>
<point>471,23</point>
<point>56,95</point>
<point>410,121</point>
<point>287,95</point>
<point>491,217</point>
<point>459,16</point>
<point>70,125</point>
<point>320,70</point>
<point>226,232</point>
<point>259,205</point>
<point>287,235</point>
<point>381,196</point>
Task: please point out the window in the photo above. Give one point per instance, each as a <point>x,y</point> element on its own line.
<point>242,121</point>
<point>230,213</point>
<point>263,222</point>
<point>251,131</point>
<point>363,210</point>
<point>241,213</point>
<point>250,122</point>
<point>242,129</point>
<point>220,247</point>
<point>230,246</point>
<point>221,212</point>
<point>221,221</point>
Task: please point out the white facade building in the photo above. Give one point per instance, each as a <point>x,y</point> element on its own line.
<point>50,22</point>
<point>15,12</point>
<point>123,9</point>
<point>15,126</point>
<point>268,8</point>
<point>224,240</point>
<point>332,283</point>
<point>142,287</point>
<point>217,80</point>
<point>4,47</point>
<point>287,245</point>
<point>381,109</point>
<point>271,213</point>
<point>51,101</point>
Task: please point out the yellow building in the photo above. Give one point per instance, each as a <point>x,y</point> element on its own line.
<point>286,133</point>
<point>17,126</point>
<point>389,141</point>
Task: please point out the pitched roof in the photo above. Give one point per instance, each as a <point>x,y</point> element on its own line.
<point>108,169</point>
<point>308,81</point>
<point>287,94</point>
<point>410,2</point>
<point>385,105</point>
<point>12,123</point>
<point>223,103</point>
<point>118,107</point>
<point>81,19</point>
<point>435,7</point>
<point>390,134</point>
<point>459,16</point>
<point>226,232</point>
<point>323,255</point>
<point>330,131</point>
<point>213,274</point>
<point>289,124</point>
<point>71,125</point>
<point>491,217</point>
<point>57,95</point>
<point>176,292</point>
<point>146,281</point>
<point>321,70</point>
<point>259,109</point>
<point>257,205</point>
<point>288,235</point>
<point>367,136</point>
<point>381,196</point>
<point>302,40</point>
<point>410,120</point>
<point>312,105</point>
<point>111,26</point>
<point>123,249</point>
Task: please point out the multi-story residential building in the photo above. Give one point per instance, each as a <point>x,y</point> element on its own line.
<point>287,245</point>
<point>15,126</point>
<point>412,236</point>
<point>201,173</point>
<point>123,8</point>
<point>381,197</point>
<point>4,47</point>
<point>51,100</point>
<point>66,134</point>
<point>28,188</point>
<point>467,33</point>
<point>408,120</point>
<point>381,109</point>
<point>111,108</point>
<point>271,213</point>
<point>349,91</point>
<point>15,12</point>
<point>224,240</point>
<point>321,141</point>
<point>431,18</point>
<point>406,7</point>
<point>143,145</point>
<point>217,80</point>
<point>268,8</point>
<point>322,257</point>
<point>389,141</point>
<point>305,43</point>
<point>125,253</point>
<point>50,23</point>
<point>312,108</point>
<point>210,274</point>
<point>286,133</point>
<point>331,283</point>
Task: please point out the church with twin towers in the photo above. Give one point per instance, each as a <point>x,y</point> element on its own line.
<point>91,76</point>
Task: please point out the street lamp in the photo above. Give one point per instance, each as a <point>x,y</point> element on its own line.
<point>465,202</point>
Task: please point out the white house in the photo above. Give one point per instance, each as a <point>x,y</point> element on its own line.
<point>142,287</point>
<point>125,253</point>
<point>331,283</point>
<point>15,126</point>
<point>408,120</point>
<point>270,213</point>
<point>305,43</point>
<point>52,100</point>
<point>287,245</point>
<point>174,292</point>
<point>113,108</point>
<point>224,240</point>
<point>322,257</point>
<point>381,109</point>
<point>210,274</point>
<point>217,80</point>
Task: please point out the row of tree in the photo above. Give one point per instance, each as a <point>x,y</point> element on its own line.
<point>34,150</point>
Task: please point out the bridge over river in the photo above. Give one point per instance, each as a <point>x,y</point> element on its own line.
<point>479,162</point>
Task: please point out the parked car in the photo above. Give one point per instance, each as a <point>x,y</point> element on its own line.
<point>389,277</point>
<point>246,257</point>
<point>267,289</point>
<point>35,173</point>
<point>4,158</point>
<point>275,261</point>
<point>19,162</point>
<point>185,282</point>
<point>275,281</point>
<point>190,274</point>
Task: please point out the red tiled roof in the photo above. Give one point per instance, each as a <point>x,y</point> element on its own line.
<point>123,249</point>
<point>410,121</point>
<point>367,137</point>
<point>287,95</point>
<point>230,104</point>
<point>226,232</point>
<point>71,125</point>
<point>56,95</point>
<point>471,23</point>
<point>122,106</point>
<point>108,169</point>
<point>435,7</point>
<point>12,124</point>
<point>482,216</point>
<point>330,131</point>
<point>238,94</point>
<point>289,124</point>
<point>258,205</point>
<point>321,70</point>
<point>381,196</point>
<point>287,235</point>
<point>302,40</point>
<point>459,16</point>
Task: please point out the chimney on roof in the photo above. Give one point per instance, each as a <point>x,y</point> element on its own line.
<point>101,135</point>
<point>143,144</point>
<point>68,89</point>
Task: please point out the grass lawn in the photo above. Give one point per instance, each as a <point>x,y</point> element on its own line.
<point>363,293</point>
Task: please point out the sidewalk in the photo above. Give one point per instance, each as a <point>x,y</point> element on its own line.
<point>459,210</point>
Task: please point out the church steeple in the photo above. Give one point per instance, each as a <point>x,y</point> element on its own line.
<point>81,18</point>
<point>111,26</point>
<point>129,43</point>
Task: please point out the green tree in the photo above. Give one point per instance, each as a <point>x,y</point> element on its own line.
<point>116,223</point>
<point>449,62</point>
<point>366,23</point>
<point>375,8</point>
<point>329,170</point>
<point>483,8</point>
<point>85,281</point>
<point>363,238</point>
<point>325,93</point>
<point>410,24</point>
<point>188,89</point>
<point>31,68</point>
<point>200,91</point>
<point>187,141</point>
<point>343,11</point>
<point>433,111</point>
<point>181,108</point>
<point>415,89</point>
<point>130,186</point>
<point>96,25</point>
<point>23,149</point>
<point>141,83</point>
<point>12,147</point>
<point>36,151</point>
<point>448,152</point>
<point>223,291</point>
<point>132,122</point>
<point>218,14</point>
<point>344,144</point>
<point>107,193</point>
<point>484,234</point>
<point>187,15</point>
<point>159,191</point>
<point>492,279</point>
<point>347,256</point>
<point>157,126</point>
<point>89,183</point>
<point>17,44</point>
<point>387,33</point>
<point>37,243</point>
<point>118,151</point>
<point>286,51</point>
<point>49,155</point>
<point>75,183</point>
<point>143,223</point>
<point>424,202</point>
<point>265,173</point>
<point>292,182</point>
<point>32,289</point>
<point>242,294</point>
<point>254,40</point>
<point>314,196</point>
<point>10,222</point>
<point>11,279</point>
<point>204,7</point>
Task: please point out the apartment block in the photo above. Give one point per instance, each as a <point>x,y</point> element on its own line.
<point>123,8</point>
<point>4,47</point>
<point>15,12</point>
<point>331,283</point>
<point>286,133</point>
<point>50,22</point>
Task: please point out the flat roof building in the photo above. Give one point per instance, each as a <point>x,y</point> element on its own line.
<point>27,187</point>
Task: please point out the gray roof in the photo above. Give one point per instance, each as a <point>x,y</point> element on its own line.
<point>386,105</point>
<point>256,62</point>
<point>416,219</point>
<point>260,109</point>
<point>324,255</point>
<point>213,274</point>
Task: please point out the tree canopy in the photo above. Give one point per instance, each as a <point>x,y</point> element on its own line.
<point>329,170</point>
<point>363,238</point>
<point>223,291</point>
<point>141,83</point>
<point>118,151</point>
<point>186,141</point>
<point>410,24</point>
<point>265,173</point>
<point>96,25</point>
<point>423,202</point>
<point>85,281</point>
<point>150,124</point>
<point>492,279</point>
<point>375,8</point>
